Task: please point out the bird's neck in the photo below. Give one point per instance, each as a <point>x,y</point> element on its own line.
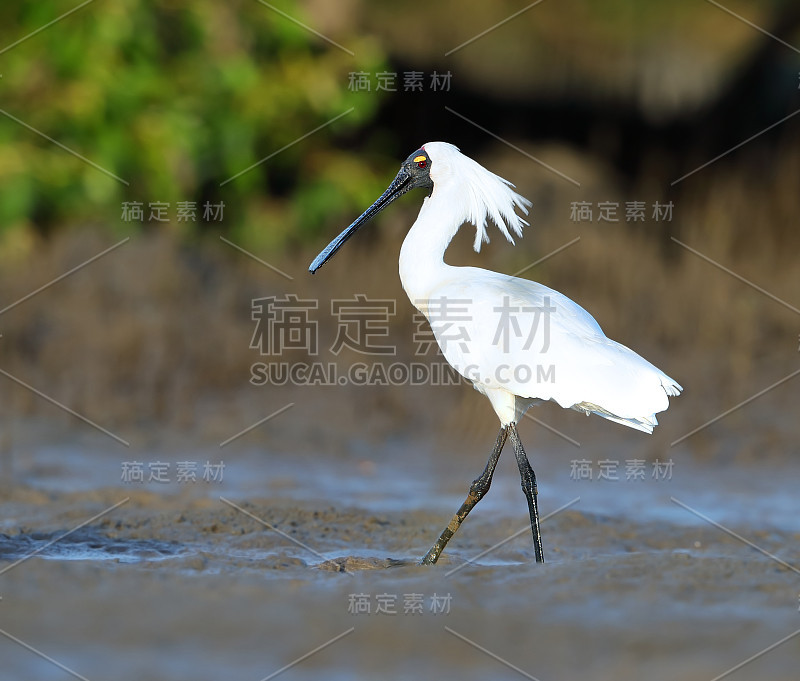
<point>422,266</point>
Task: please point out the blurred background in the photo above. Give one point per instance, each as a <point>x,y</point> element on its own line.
<point>169,169</point>
<point>165,127</point>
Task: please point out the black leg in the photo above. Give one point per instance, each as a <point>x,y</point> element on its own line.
<point>528,478</point>
<point>476,492</point>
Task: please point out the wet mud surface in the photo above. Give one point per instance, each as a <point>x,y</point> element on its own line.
<point>221,582</point>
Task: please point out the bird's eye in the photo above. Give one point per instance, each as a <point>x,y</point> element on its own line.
<point>422,164</point>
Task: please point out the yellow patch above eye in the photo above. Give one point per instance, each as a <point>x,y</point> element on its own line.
<point>417,159</point>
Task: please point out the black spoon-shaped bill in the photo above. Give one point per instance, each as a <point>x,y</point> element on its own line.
<point>399,186</point>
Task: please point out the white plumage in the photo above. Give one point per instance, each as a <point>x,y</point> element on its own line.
<point>518,341</point>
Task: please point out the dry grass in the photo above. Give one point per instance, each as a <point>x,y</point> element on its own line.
<point>157,333</point>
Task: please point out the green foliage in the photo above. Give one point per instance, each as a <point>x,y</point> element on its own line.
<point>175,97</point>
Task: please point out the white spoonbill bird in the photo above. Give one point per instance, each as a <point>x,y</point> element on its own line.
<point>519,342</point>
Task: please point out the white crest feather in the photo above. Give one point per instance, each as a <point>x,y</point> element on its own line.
<point>484,195</point>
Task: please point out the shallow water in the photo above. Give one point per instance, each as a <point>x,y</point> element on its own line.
<point>318,551</point>
<point>84,544</point>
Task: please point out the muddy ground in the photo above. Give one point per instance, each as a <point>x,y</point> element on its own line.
<point>306,560</point>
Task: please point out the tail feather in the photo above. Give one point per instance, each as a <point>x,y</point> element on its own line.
<point>643,423</point>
